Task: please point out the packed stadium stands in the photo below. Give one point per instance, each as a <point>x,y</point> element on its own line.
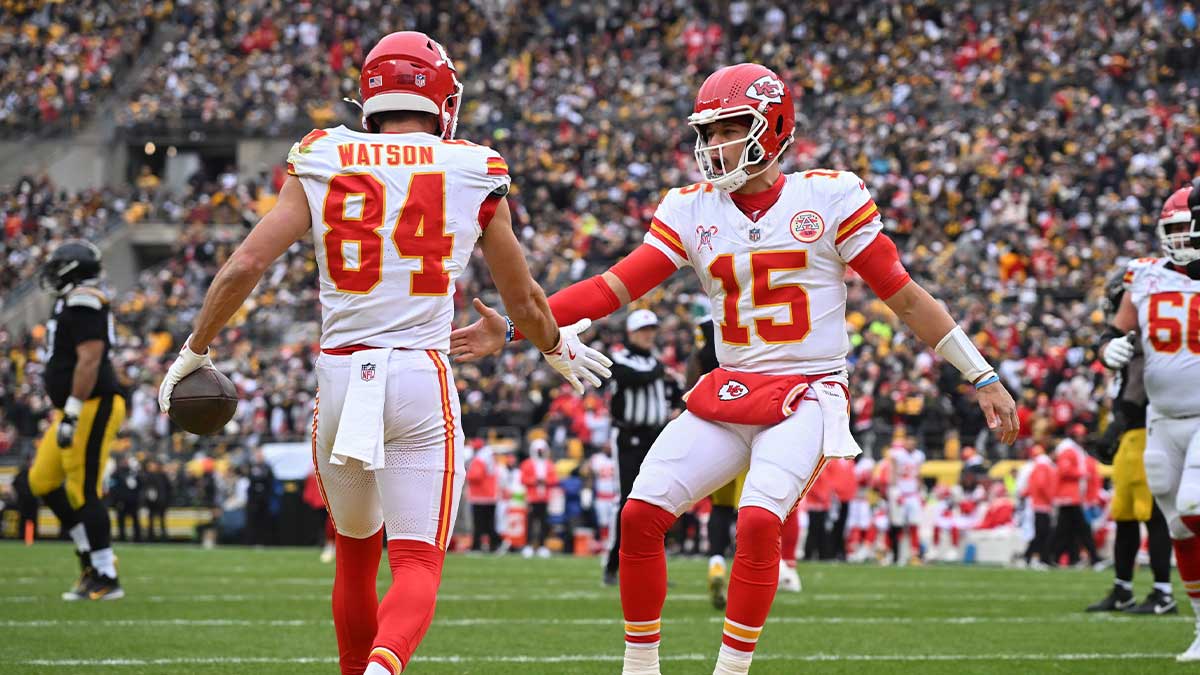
<point>1017,152</point>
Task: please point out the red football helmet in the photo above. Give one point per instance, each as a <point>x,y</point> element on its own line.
<point>411,71</point>
<point>1178,230</point>
<point>744,90</point>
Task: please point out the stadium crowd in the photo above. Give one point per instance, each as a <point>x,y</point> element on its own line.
<point>1017,154</point>
<point>59,59</point>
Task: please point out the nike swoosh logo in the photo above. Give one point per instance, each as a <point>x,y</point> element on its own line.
<point>1163,609</point>
<point>1122,604</point>
<point>570,354</point>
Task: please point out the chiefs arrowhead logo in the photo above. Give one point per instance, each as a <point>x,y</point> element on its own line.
<point>732,390</point>
<point>766,89</point>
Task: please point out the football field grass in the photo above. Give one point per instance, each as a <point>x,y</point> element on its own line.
<point>240,610</point>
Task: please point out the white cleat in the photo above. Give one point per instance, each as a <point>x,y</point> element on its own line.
<point>789,580</point>
<point>1192,653</point>
<point>327,553</point>
<point>527,552</point>
<point>543,552</point>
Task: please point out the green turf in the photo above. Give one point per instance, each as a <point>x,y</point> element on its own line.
<point>237,610</point>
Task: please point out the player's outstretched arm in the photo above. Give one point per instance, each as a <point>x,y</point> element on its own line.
<point>286,222</point>
<point>592,298</point>
<point>926,317</point>
<point>530,312</point>
<point>523,298</point>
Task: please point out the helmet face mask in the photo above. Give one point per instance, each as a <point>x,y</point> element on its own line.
<point>711,157</point>
<point>1178,229</point>
<point>753,92</point>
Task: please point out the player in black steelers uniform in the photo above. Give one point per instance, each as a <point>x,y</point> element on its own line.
<point>1123,446</point>
<point>89,408</point>
<point>724,501</point>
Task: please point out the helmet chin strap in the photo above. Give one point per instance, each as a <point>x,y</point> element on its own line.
<point>740,177</point>
<point>362,119</point>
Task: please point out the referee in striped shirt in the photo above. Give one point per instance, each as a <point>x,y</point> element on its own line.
<point>642,402</point>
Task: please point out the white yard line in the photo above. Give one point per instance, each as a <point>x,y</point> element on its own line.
<point>595,658</point>
<point>603,621</point>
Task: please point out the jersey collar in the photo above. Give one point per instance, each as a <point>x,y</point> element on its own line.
<point>756,205</point>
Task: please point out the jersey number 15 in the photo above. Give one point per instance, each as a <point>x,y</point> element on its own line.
<point>764,294</point>
<point>420,232</point>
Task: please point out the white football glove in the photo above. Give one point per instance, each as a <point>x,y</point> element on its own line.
<point>1118,351</point>
<point>187,362</point>
<point>576,361</point>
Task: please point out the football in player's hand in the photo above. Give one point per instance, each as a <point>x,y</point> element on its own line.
<point>203,402</point>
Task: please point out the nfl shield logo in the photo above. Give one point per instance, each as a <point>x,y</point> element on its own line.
<point>755,234</point>
<point>420,79</point>
<point>368,372</point>
<point>376,81</point>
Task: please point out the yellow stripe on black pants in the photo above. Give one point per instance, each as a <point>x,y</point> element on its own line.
<point>81,465</point>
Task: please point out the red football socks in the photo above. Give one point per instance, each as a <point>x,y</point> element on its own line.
<point>791,537</point>
<point>754,578</point>
<point>407,609</point>
<point>1187,558</point>
<point>355,599</point>
<point>643,571</point>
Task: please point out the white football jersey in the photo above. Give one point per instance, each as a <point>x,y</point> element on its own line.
<point>777,286</point>
<point>1168,307</point>
<point>604,475</point>
<point>906,469</point>
<point>394,220</point>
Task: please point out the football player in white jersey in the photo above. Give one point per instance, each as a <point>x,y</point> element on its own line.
<point>771,250</point>
<point>394,213</point>
<point>1162,302</point>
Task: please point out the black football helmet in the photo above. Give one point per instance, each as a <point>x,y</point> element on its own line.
<point>1114,290</point>
<point>73,262</point>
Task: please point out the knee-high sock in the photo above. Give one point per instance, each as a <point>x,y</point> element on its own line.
<point>914,541</point>
<point>754,578</point>
<point>407,609</point>
<point>1187,558</point>
<point>57,501</point>
<point>644,571</point>
<point>719,522</point>
<point>790,537</point>
<point>1125,548</point>
<point>1160,547</point>
<point>354,599</point>
<point>95,519</point>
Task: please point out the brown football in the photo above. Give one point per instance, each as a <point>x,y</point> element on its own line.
<point>203,401</point>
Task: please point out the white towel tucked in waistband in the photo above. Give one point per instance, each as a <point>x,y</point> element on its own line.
<point>837,441</point>
<point>360,430</point>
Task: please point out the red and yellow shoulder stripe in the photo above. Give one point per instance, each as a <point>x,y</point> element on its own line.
<point>666,235</point>
<point>496,166</point>
<point>856,221</point>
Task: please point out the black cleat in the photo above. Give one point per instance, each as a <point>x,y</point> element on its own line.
<point>79,590</point>
<point>1117,600</point>
<point>104,588</point>
<point>1155,603</point>
<point>610,578</point>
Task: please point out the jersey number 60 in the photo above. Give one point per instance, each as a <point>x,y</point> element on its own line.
<point>420,232</point>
